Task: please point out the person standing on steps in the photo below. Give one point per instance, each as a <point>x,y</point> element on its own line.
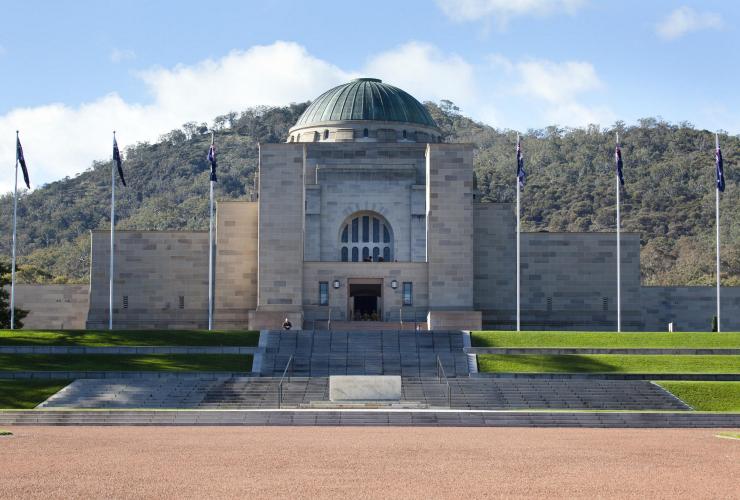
<point>287,325</point>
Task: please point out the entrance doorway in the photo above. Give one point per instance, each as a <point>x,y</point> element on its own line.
<point>365,300</point>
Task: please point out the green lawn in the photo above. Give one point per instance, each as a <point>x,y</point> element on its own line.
<point>607,363</point>
<point>676,340</point>
<point>706,396</point>
<point>23,394</point>
<point>110,362</point>
<point>99,338</point>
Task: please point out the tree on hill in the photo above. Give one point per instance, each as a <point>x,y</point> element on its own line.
<point>5,270</point>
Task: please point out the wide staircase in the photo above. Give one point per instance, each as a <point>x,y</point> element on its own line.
<point>321,353</point>
<point>459,393</point>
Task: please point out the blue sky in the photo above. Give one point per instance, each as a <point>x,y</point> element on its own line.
<point>75,72</point>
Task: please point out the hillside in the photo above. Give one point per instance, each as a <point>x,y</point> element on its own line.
<point>669,196</point>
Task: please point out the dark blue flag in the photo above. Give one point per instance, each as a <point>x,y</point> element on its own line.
<point>117,161</point>
<point>521,175</point>
<point>212,160</point>
<point>618,163</point>
<point>720,169</point>
<point>22,161</point>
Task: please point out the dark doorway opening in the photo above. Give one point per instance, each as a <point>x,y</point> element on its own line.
<point>365,300</point>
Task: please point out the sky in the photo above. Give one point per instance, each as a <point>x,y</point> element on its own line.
<point>75,71</point>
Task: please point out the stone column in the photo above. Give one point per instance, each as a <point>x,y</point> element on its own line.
<point>449,252</point>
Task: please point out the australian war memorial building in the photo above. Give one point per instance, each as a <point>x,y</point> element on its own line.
<point>365,215</point>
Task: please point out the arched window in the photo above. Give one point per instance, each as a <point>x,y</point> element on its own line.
<point>292,138</point>
<point>365,235</point>
<point>326,134</point>
<point>365,133</point>
<point>316,137</point>
<point>404,134</point>
<point>298,138</point>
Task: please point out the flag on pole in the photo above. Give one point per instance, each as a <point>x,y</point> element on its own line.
<point>520,173</point>
<point>212,160</point>
<point>117,160</point>
<point>22,161</point>
<point>618,163</point>
<point>719,166</point>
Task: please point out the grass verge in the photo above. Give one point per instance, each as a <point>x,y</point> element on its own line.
<point>102,338</point>
<point>607,363</point>
<point>110,362</point>
<point>25,394</point>
<point>677,340</point>
<point>706,396</point>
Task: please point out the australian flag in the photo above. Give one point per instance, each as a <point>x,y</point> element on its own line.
<point>618,163</point>
<point>212,160</point>
<point>720,169</point>
<point>117,160</point>
<point>521,175</point>
<point>22,161</point>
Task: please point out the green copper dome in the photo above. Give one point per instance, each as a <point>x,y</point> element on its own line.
<point>365,99</point>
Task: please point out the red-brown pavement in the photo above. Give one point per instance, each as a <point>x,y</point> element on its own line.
<point>347,462</point>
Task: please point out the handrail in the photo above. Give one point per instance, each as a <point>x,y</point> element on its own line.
<point>440,375</point>
<point>289,364</point>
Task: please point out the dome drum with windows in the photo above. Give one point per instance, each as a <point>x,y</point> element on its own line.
<point>365,110</point>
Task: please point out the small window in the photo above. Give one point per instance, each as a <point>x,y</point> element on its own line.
<point>365,133</point>
<point>404,134</point>
<point>549,304</point>
<point>326,134</point>
<point>345,254</point>
<point>386,234</point>
<point>355,254</point>
<point>125,301</point>
<point>345,234</point>
<point>355,230</point>
<point>365,254</point>
<point>376,230</point>
<point>298,138</point>
<point>605,304</point>
<point>324,293</point>
<point>387,254</point>
<point>292,138</point>
<point>365,229</point>
<point>376,254</point>
<point>182,302</point>
<point>408,294</point>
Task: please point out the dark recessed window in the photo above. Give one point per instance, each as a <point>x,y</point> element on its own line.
<point>355,254</point>
<point>365,228</point>
<point>408,293</point>
<point>324,293</point>
<point>326,134</point>
<point>355,230</point>
<point>376,254</point>
<point>404,134</point>
<point>182,302</point>
<point>365,133</point>
<point>387,254</point>
<point>345,254</point>
<point>365,254</point>
<point>345,233</point>
<point>376,230</point>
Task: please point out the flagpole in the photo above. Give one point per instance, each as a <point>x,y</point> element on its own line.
<point>112,236</point>
<point>619,254</point>
<point>518,248</point>
<point>15,215</point>
<point>210,254</point>
<point>716,140</point>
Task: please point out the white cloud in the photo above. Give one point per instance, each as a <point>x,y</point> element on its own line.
<point>557,88</point>
<point>62,140</point>
<point>502,10</point>
<point>120,55</point>
<point>685,20</point>
<point>426,73</point>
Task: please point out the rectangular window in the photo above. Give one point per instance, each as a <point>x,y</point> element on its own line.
<point>408,294</point>
<point>365,228</point>
<point>355,227</point>
<point>376,230</point>
<point>324,293</point>
<point>182,302</point>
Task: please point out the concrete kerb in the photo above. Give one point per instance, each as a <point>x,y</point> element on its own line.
<point>472,356</point>
<point>369,417</point>
<point>723,377</point>
<point>554,351</point>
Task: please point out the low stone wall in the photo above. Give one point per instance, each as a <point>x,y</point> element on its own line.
<point>690,308</point>
<point>53,306</point>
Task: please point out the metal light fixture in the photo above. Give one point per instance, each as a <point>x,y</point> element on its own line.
<point>336,284</point>
<point>394,284</point>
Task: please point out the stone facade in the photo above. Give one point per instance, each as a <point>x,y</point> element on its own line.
<point>161,280</point>
<point>53,306</point>
<point>364,214</point>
